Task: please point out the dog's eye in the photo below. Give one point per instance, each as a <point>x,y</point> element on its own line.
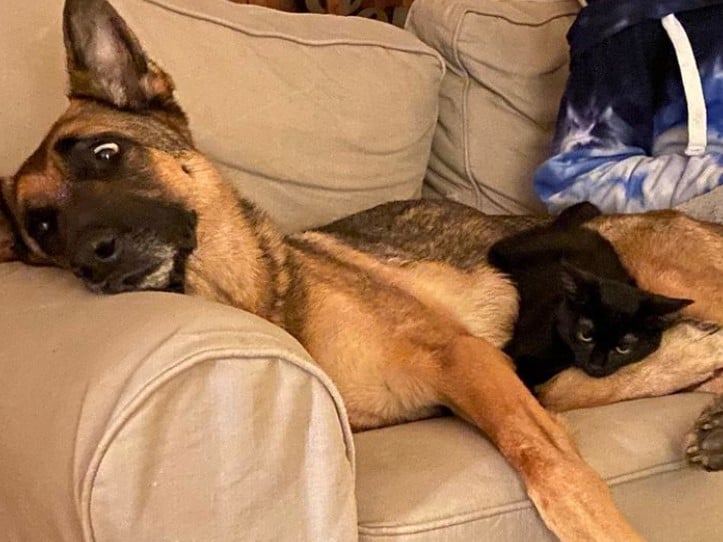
<point>620,349</point>
<point>106,151</point>
<point>41,223</point>
<point>584,336</point>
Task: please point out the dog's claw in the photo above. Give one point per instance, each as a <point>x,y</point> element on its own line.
<point>705,446</point>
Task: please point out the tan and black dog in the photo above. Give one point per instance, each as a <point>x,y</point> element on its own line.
<point>397,304</point>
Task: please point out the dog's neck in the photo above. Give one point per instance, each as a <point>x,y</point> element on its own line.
<point>240,255</point>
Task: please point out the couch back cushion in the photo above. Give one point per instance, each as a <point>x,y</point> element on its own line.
<point>507,67</point>
<point>312,116</point>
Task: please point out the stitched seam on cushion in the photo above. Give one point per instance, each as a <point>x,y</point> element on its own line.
<point>309,186</point>
<point>477,186</point>
<point>432,12</point>
<point>390,529</point>
<point>169,373</point>
<point>486,13</point>
<point>482,190</point>
<point>427,51</point>
<point>465,99</point>
<point>520,23</point>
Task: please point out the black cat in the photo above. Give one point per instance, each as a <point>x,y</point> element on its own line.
<point>578,305</point>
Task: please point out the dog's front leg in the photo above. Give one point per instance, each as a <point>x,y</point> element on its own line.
<point>714,385</point>
<point>477,381</point>
<point>690,354</point>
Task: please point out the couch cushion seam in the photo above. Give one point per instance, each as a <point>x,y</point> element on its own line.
<point>477,186</point>
<point>308,185</point>
<point>487,15</point>
<point>481,189</point>
<point>389,529</point>
<point>300,41</point>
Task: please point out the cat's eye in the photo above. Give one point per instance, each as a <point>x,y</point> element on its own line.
<point>106,151</point>
<point>585,328</point>
<point>626,344</point>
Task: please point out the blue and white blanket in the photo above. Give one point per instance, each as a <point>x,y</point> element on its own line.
<point>641,121</point>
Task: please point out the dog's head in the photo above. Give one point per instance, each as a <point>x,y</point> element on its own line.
<point>111,192</point>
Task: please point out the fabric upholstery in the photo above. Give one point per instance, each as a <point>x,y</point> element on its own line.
<point>159,417</point>
<point>312,116</point>
<point>440,480</point>
<point>33,82</point>
<point>507,66</point>
<point>660,142</point>
<point>151,417</point>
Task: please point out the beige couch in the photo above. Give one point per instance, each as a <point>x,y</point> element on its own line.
<point>158,417</point>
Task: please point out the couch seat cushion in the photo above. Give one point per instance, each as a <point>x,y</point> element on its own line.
<point>440,480</point>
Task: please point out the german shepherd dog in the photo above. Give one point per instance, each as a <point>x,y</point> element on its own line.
<point>397,304</point>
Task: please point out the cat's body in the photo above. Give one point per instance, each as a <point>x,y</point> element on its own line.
<point>578,304</point>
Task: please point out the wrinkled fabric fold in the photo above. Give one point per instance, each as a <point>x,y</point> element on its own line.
<point>640,125</point>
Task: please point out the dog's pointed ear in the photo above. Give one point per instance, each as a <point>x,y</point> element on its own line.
<point>106,61</point>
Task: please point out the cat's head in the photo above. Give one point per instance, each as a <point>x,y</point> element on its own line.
<point>607,323</point>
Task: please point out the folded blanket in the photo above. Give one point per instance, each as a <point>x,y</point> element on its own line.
<point>641,121</point>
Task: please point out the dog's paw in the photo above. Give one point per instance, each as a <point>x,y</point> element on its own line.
<point>704,445</point>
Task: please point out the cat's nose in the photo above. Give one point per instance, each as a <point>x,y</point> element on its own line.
<point>598,359</point>
<point>597,365</point>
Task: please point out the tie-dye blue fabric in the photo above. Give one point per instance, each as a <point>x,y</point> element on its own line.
<point>623,123</point>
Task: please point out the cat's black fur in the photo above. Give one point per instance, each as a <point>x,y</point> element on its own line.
<point>578,304</point>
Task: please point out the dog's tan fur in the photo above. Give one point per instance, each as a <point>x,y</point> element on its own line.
<point>669,253</point>
<point>403,325</point>
<point>690,357</point>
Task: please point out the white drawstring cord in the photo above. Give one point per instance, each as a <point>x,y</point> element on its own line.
<point>692,86</point>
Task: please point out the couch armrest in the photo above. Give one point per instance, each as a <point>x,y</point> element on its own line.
<point>154,416</point>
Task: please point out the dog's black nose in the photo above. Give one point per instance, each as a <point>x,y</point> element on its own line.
<point>99,247</point>
<point>105,249</point>
<point>95,253</point>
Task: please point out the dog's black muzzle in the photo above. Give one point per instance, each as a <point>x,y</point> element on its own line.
<point>127,242</point>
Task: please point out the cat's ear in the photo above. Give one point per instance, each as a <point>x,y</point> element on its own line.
<point>661,311</point>
<point>661,305</point>
<point>577,283</point>
<point>577,215</point>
